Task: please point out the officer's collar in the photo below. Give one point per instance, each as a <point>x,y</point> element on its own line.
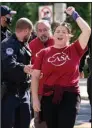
<point>4,29</point>
<point>22,43</point>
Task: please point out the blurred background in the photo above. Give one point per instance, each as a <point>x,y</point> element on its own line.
<point>53,12</point>
<point>56,12</point>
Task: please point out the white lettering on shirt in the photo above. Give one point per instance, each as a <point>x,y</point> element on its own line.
<point>58,59</point>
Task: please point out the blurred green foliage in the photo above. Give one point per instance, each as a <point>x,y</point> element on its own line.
<point>30,10</point>
<point>85,11</point>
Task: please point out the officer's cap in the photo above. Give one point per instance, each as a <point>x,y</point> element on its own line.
<point>6,10</point>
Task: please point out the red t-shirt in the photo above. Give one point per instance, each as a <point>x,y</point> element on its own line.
<point>36,45</point>
<point>59,66</point>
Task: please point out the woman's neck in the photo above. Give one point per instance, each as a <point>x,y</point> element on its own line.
<point>61,45</point>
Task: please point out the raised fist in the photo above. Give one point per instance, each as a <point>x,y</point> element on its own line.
<point>70,10</point>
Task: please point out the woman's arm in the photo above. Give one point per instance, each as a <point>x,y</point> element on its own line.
<point>34,90</point>
<point>85,29</point>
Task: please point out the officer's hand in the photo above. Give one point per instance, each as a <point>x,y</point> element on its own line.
<point>70,10</point>
<point>36,105</point>
<point>28,69</point>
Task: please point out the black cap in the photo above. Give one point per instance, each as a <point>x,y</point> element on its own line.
<point>6,10</point>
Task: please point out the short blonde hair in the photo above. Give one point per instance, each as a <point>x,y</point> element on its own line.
<point>24,23</point>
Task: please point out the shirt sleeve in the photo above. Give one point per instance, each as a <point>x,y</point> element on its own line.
<point>39,60</point>
<point>79,49</point>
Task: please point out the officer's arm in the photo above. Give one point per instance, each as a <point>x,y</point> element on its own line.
<point>13,70</point>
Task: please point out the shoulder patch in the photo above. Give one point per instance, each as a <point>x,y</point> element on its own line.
<point>9,51</point>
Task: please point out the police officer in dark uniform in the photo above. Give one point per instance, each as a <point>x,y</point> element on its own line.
<point>16,70</point>
<point>89,80</point>
<point>81,66</point>
<point>88,56</point>
<point>6,19</point>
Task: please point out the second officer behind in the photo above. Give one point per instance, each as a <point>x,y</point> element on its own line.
<point>6,19</point>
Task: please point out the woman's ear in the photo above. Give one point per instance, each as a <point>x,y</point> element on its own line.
<point>70,35</point>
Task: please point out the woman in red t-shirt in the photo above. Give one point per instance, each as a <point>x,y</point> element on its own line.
<point>56,75</point>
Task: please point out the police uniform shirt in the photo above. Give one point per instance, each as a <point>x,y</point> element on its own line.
<point>14,56</point>
<point>5,33</point>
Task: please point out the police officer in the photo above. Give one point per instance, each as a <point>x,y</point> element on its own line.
<point>88,57</point>
<point>6,18</point>
<point>15,62</point>
<point>82,64</point>
<point>89,80</point>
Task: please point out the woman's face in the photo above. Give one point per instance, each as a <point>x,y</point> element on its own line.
<point>61,35</point>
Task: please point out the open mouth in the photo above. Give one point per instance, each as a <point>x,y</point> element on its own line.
<point>60,38</point>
